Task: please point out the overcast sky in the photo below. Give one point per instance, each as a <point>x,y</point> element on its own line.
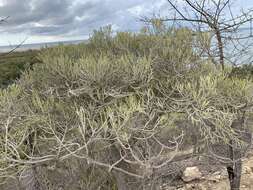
<point>58,20</point>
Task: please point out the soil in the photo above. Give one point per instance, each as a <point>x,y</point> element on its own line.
<point>217,179</point>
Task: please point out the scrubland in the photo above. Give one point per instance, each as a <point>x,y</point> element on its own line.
<point>120,111</point>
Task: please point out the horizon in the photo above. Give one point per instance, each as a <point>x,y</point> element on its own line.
<point>74,40</point>
<point>43,22</point>
<point>37,46</point>
<point>46,42</point>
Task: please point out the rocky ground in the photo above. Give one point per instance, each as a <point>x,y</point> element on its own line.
<point>195,178</point>
<point>191,174</point>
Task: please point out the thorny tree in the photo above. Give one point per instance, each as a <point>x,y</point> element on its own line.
<point>217,18</point>
<point>227,44</point>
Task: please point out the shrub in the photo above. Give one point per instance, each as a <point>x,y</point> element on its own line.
<point>118,103</point>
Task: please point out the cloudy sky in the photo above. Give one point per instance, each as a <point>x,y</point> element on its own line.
<point>59,20</point>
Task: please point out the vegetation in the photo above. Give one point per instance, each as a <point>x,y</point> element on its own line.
<point>12,65</point>
<point>122,106</point>
<point>226,44</point>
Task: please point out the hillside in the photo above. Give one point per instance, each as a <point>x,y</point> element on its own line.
<point>12,65</point>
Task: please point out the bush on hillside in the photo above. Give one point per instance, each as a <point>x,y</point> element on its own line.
<point>119,104</point>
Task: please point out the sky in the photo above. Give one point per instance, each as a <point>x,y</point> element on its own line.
<point>38,21</point>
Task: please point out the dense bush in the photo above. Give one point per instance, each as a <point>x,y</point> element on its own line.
<point>242,71</point>
<point>119,104</point>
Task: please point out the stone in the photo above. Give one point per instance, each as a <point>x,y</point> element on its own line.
<point>214,178</point>
<point>216,173</point>
<point>191,173</point>
<point>246,170</point>
<point>224,173</point>
<point>189,186</point>
<point>195,187</point>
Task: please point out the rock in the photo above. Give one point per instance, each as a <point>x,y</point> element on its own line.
<point>189,186</point>
<point>246,170</point>
<point>214,178</point>
<point>191,173</point>
<point>195,187</point>
<point>224,173</point>
<point>216,173</point>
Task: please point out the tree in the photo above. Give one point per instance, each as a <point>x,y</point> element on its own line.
<point>216,17</point>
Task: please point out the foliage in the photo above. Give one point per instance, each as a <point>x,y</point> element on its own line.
<point>117,103</point>
<point>244,71</point>
<point>12,65</point>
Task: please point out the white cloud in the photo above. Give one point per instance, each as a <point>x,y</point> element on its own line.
<point>136,10</point>
<point>44,20</point>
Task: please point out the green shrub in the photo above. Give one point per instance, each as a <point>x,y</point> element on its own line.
<point>117,103</point>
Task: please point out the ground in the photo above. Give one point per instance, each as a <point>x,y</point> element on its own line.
<point>218,180</point>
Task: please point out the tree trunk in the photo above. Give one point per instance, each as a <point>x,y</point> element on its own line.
<point>220,47</point>
<point>235,169</point>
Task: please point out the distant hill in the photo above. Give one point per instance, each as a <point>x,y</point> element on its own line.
<point>34,46</point>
